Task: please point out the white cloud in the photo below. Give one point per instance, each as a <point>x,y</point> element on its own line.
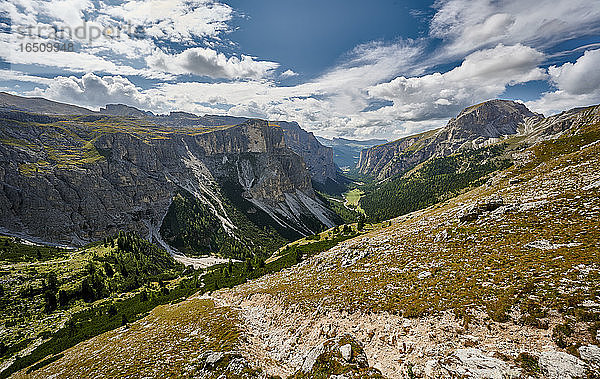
<point>467,25</point>
<point>94,91</point>
<point>70,12</point>
<point>482,75</point>
<point>23,77</point>
<point>175,19</point>
<point>577,84</point>
<point>208,62</point>
<point>578,78</point>
<point>288,74</point>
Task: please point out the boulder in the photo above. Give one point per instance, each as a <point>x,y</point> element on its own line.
<point>337,356</point>
<point>473,363</point>
<point>591,355</point>
<point>346,352</point>
<point>559,365</point>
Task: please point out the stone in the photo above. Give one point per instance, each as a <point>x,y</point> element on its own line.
<point>559,365</point>
<point>591,354</point>
<point>213,358</point>
<point>311,358</point>
<point>346,352</point>
<point>472,363</point>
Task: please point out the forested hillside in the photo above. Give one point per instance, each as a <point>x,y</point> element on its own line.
<point>434,181</point>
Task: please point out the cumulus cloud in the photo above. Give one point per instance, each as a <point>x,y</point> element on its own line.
<point>482,75</point>
<point>578,78</point>
<point>208,62</point>
<point>95,91</point>
<point>577,84</point>
<point>288,74</point>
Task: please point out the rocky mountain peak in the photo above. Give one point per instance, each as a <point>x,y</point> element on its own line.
<point>491,119</point>
<point>476,126</point>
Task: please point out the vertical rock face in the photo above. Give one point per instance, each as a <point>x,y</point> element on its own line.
<point>318,158</point>
<point>74,182</point>
<point>474,127</point>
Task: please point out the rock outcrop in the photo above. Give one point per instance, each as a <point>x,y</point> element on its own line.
<point>318,158</point>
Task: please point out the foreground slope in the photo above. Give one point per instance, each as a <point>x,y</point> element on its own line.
<point>501,281</point>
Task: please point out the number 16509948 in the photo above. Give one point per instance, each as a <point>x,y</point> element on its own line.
<point>37,47</point>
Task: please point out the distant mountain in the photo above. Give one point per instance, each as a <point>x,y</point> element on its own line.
<point>476,126</point>
<point>318,158</point>
<point>346,152</point>
<point>124,110</point>
<point>39,105</point>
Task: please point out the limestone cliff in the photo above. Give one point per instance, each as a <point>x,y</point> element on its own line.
<point>73,180</point>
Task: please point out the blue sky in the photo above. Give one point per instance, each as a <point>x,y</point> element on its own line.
<point>348,68</point>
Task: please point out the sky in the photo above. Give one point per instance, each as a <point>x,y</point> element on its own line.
<point>340,68</point>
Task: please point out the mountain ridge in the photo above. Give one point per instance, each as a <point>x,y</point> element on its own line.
<point>318,157</point>
<point>476,126</point>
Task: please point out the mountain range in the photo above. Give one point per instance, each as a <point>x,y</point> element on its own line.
<point>346,152</point>
<point>476,255</point>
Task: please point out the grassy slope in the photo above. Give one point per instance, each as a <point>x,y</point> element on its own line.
<point>484,264</point>
<point>162,344</point>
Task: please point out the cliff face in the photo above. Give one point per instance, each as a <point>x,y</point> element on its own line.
<point>474,127</point>
<point>73,181</point>
<point>318,158</point>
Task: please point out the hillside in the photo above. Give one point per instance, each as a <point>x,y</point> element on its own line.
<point>501,281</point>
<point>437,165</point>
<point>475,127</point>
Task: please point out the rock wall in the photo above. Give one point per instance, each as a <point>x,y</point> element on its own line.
<point>128,180</point>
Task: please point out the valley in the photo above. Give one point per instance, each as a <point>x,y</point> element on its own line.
<point>219,251</point>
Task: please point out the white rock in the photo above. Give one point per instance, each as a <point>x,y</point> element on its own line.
<point>346,352</point>
<point>472,363</point>
<point>311,358</point>
<point>424,274</point>
<point>559,365</point>
<point>591,354</point>
<point>431,368</point>
<point>213,358</point>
